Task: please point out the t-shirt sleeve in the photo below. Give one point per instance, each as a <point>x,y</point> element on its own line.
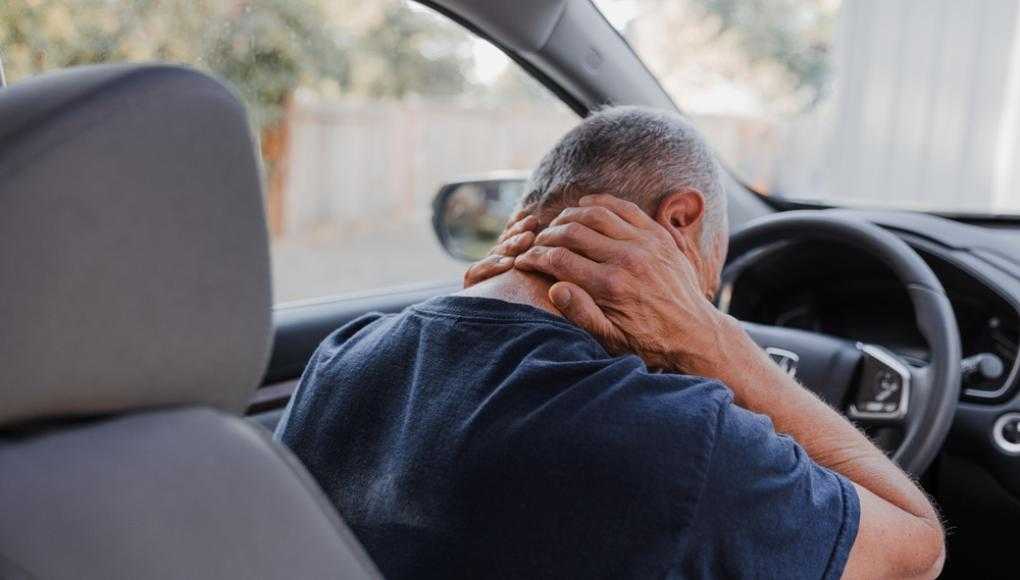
<point>767,509</point>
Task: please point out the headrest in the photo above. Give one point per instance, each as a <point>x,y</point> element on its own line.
<point>134,262</point>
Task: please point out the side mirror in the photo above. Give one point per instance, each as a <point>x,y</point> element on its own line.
<point>469,214</point>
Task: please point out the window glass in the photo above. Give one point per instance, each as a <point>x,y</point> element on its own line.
<point>910,104</point>
<point>362,110</point>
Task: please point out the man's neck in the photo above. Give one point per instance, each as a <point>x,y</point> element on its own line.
<point>517,287</point>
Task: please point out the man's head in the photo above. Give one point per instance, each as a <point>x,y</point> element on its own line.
<point>653,158</point>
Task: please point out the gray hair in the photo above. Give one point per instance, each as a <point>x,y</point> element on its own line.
<point>635,153</point>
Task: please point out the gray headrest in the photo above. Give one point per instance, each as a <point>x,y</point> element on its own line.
<point>134,263</point>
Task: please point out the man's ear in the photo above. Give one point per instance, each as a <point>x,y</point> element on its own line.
<point>682,214</point>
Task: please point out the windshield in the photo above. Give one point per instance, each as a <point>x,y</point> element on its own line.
<point>912,104</point>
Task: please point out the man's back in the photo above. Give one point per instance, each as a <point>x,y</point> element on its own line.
<point>470,437</point>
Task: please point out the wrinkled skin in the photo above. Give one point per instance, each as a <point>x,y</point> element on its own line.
<point>625,279</point>
<point>621,276</point>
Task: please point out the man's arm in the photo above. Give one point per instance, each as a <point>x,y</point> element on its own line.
<point>623,278</point>
<point>899,532</point>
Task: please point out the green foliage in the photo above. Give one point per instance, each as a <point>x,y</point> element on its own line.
<point>268,48</point>
<point>264,48</point>
<point>796,34</point>
<point>410,52</point>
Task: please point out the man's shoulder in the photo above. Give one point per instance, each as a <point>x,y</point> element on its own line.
<point>640,443</point>
<point>618,410</point>
<point>453,330</point>
<point>370,325</point>
<point>533,359</point>
<point>624,385</point>
<point>659,404</point>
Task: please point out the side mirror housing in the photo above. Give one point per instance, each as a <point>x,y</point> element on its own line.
<point>469,214</point>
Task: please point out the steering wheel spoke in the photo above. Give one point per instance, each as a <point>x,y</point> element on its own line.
<point>882,395</point>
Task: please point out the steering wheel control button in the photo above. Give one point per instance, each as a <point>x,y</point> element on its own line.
<point>884,387</point>
<point>1006,433</point>
<point>786,359</point>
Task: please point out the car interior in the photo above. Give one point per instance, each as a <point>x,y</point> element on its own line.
<point>145,364</point>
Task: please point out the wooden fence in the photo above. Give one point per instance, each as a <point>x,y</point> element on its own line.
<point>347,163</point>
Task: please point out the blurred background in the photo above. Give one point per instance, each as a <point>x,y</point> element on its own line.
<point>363,109</point>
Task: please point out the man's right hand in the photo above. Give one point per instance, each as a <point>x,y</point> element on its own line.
<point>624,279</point>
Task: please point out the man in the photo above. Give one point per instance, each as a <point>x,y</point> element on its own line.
<point>551,420</point>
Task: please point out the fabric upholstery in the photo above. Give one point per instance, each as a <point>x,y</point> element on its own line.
<point>186,493</point>
<point>134,265</point>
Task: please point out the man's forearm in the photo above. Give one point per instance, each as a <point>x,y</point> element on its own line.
<point>829,438</point>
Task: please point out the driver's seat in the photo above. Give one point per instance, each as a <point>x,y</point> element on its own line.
<point>135,322</point>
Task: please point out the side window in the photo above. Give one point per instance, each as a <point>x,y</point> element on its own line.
<point>363,109</point>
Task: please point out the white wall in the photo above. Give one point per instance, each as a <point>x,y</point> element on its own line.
<point>924,110</point>
<point>352,163</point>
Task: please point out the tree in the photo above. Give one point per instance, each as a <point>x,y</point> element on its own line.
<point>775,52</point>
<point>264,48</point>
<point>405,52</point>
<point>796,34</point>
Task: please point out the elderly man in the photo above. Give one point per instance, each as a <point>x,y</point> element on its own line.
<point>583,410</point>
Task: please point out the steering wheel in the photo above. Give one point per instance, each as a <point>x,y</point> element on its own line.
<point>872,385</point>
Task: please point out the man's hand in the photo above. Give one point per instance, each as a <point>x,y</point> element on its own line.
<point>624,279</point>
<point>517,237</point>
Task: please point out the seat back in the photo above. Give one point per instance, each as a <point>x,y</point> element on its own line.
<point>135,308</point>
<point>186,493</point>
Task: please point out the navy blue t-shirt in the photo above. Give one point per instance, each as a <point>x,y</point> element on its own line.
<point>475,438</point>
